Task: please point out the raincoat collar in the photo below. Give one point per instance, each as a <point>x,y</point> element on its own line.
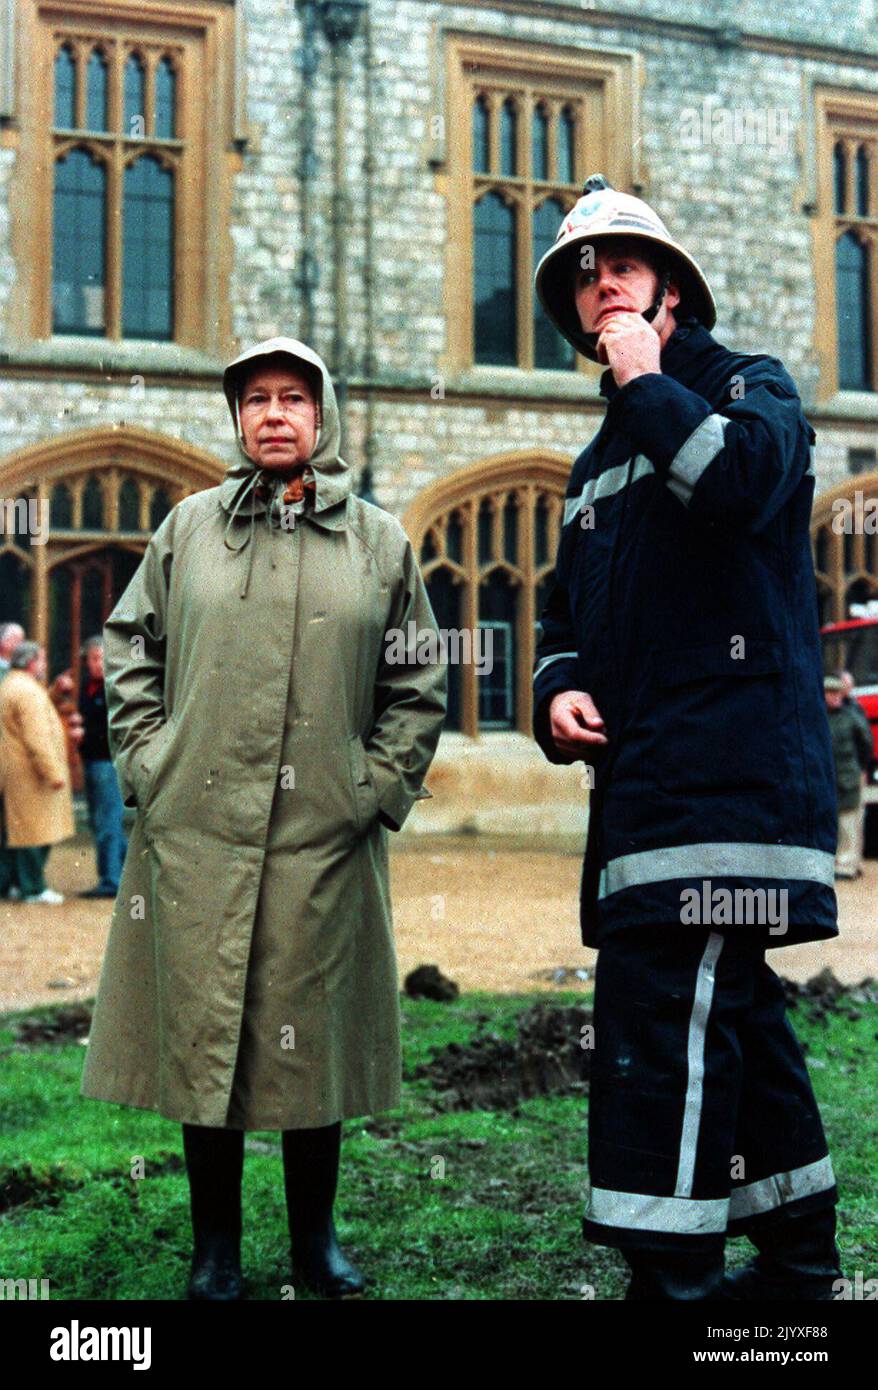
<point>333,479</point>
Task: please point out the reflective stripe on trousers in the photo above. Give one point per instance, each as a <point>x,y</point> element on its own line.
<point>701,1112</point>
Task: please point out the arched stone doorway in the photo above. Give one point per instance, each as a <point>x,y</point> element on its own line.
<point>487,539</point>
<point>846,546</point>
<point>78,510</point>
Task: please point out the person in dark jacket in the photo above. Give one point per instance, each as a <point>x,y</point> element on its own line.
<point>679,657</point>
<point>101,787</point>
<point>852,755</point>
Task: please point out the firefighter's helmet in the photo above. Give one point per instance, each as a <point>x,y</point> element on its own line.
<point>603,212</point>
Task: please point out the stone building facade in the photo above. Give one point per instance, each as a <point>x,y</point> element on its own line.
<point>373,177</point>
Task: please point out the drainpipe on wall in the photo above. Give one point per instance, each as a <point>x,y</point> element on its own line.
<point>341,20</point>
<point>366,477</point>
<point>306,277</point>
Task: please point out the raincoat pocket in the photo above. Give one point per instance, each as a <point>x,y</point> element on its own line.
<point>365,794</point>
<point>152,759</point>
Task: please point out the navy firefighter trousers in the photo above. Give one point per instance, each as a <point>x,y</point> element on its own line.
<point>702,1120</point>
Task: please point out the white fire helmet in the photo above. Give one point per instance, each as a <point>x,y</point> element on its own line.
<point>603,212</point>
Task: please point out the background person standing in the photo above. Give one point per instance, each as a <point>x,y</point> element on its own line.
<point>851,702</point>
<point>852,754</point>
<point>101,784</point>
<point>10,636</point>
<point>36,773</point>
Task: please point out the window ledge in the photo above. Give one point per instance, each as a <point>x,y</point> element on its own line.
<point>848,405</point>
<point>532,385</point>
<point>140,358</point>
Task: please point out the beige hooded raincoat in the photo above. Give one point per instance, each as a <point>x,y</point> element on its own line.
<point>250,977</point>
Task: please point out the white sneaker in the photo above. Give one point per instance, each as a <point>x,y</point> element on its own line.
<point>48,895</point>
<point>14,894</point>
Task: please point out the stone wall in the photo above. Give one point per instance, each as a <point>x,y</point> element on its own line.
<point>735,201</point>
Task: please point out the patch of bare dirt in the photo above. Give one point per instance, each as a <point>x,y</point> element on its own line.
<point>63,1025</point>
<point>824,994</point>
<point>550,1054</point>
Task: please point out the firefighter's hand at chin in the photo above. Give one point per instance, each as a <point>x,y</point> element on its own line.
<point>577,727</point>
<point>629,345</point>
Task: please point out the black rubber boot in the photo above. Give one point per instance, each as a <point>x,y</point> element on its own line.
<point>681,1276</point>
<point>798,1260</point>
<point>214,1164</point>
<point>311,1158</point>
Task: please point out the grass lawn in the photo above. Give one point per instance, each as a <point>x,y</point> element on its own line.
<point>479,1205</point>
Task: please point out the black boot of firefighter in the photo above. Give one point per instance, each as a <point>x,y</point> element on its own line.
<point>798,1260</point>
<point>674,1276</point>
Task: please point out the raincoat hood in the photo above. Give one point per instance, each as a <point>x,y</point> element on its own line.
<point>332,475</point>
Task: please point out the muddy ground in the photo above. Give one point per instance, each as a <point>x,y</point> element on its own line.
<point>493,916</point>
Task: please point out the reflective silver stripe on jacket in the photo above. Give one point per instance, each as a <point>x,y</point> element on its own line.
<point>812,455</point>
<point>701,1005</point>
<point>771,1192</point>
<point>716,861</point>
<point>700,449</point>
<point>612,480</point>
<point>638,1211</point>
<point>547,661</point>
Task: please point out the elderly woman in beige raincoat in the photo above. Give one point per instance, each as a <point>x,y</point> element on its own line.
<point>268,742</point>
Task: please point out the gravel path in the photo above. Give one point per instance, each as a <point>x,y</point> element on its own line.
<point>494,917</point>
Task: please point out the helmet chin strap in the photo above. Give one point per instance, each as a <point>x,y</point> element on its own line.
<point>648,314</point>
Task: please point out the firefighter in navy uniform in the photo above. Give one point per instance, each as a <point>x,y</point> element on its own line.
<point>679,659</point>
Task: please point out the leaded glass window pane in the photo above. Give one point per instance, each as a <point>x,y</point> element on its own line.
<point>852,297</point>
<point>92,506</point>
<point>61,508</point>
<point>454,538</point>
<point>839,174</point>
<point>96,92</point>
<point>498,598</point>
<point>509,139</point>
<point>485,532</point>
<point>135,97</point>
<point>165,101</point>
<point>540,144</point>
<point>481,137</point>
<point>861,170</point>
<point>550,349</point>
<point>494,299</point>
<point>148,251</point>
<point>159,507</point>
<point>129,505</point>
<point>78,245</point>
<point>444,597</point>
<point>65,90</point>
<point>567,146</point>
<point>510,531</point>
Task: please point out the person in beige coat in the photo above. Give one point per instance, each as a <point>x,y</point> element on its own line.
<point>268,742</point>
<point>34,772</point>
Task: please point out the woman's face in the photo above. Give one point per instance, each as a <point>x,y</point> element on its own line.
<point>279,419</point>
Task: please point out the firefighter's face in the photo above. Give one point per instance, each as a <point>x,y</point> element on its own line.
<point>614,277</point>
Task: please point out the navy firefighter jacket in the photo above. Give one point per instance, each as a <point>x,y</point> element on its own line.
<point>684,602</point>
